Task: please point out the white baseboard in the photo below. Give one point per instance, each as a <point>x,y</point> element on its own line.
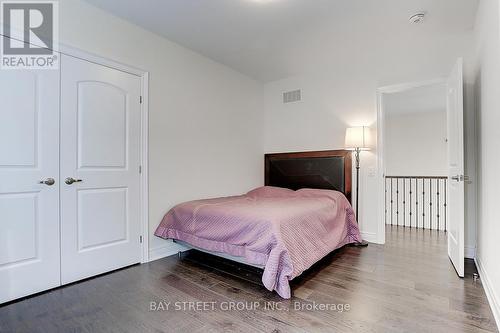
<point>170,248</point>
<point>470,252</point>
<point>491,294</point>
<point>370,237</point>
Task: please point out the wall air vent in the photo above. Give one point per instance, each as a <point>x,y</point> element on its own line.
<point>292,96</point>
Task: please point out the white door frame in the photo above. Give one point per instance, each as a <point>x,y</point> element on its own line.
<point>144,144</point>
<point>381,143</point>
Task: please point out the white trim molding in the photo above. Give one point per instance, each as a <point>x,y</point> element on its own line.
<point>370,237</point>
<point>406,86</point>
<point>470,252</point>
<point>145,165</point>
<point>491,294</point>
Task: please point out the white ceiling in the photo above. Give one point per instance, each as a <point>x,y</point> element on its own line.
<point>430,98</point>
<point>273,39</point>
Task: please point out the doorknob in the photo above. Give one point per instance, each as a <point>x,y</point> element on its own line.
<point>457,178</point>
<point>48,181</point>
<point>71,180</point>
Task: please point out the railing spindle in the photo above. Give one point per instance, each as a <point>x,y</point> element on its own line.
<point>416,203</point>
<point>385,200</point>
<point>430,204</point>
<point>411,191</point>
<point>397,202</point>
<point>445,203</point>
<point>423,203</point>
<point>404,202</point>
<point>437,198</point>
<point>392,204</point>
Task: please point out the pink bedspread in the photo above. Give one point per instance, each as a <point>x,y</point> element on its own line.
<point>286,231</point>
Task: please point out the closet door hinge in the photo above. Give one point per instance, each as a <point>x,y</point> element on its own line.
<point>140,239</point>
<point>140,99</point>
<point>140,168</point>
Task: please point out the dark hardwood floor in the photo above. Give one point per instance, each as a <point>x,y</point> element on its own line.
<point>407,285</point>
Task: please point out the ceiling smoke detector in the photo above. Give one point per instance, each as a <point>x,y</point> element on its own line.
<point>417,18</point>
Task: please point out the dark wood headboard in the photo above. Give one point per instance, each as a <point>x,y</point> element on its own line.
<point>329,169</point>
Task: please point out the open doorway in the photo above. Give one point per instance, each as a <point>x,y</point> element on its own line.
<point>416,157</point>
<point>418,146</point>
<point>414,154</point>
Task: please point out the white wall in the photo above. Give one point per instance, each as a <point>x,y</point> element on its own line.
<point>205,119</point>
<point>415,143</point>
<point>344,94</point>
<point>488,119</point>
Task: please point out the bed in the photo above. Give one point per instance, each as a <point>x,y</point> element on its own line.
<point>300,215</point>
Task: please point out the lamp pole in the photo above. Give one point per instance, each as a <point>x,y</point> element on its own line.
<point>356,140</point>
<point>357,151</point>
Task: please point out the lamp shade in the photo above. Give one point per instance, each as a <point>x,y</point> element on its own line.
<point>357,138</point>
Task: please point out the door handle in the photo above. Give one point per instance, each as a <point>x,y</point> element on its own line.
<point>48,181</point>
<point>71,180</point>
<point>460,178</point>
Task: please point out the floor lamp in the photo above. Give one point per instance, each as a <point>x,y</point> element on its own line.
<point>356,139</point>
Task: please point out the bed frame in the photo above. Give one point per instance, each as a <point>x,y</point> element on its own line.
<point>329,170</point>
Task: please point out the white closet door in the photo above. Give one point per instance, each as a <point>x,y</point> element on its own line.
<point>100,181</point>
<point>29,153</point>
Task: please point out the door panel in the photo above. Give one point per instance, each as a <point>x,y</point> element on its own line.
<point>100,145</point>
<point>19,118</point>
<point>20,227</point>
<point>29,211</point>
<point>104,210</point>
<point>96,127</point>
<point>456,204</point>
